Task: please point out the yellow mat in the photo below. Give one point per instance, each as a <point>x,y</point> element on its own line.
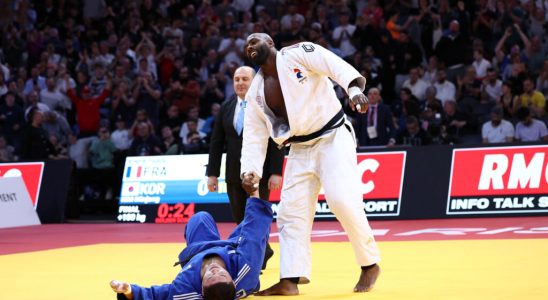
<point>480,269</point>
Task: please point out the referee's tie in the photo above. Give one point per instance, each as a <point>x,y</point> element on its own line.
<point>240,119</point>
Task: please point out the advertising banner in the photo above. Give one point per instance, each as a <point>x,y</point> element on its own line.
<point>15,205</point>
<point>501,180</point>
<point>31,173</point>
<point>382,180</point>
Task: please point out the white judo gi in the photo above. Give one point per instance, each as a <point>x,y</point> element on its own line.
<point>304,70</point>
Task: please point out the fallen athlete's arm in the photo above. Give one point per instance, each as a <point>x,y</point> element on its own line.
<point>128,291</point>
<point>252,235</point>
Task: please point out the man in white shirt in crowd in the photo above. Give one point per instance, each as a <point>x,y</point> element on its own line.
<point>497,130</point>
<point>529,129</point>
<point>120,136</point>
<point>291,15</point>
<point>51,96</point>
<point>492,85</point>
<point>232,46</point>
<point>342,35</point>
<point>416,84</point>
<point>445,89</point>
<point>480,64</point>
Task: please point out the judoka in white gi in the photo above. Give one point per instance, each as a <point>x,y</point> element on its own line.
<point>292,100</point>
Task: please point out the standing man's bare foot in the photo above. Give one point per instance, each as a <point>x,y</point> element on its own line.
<point>284,287</point>
<point>367,280</point>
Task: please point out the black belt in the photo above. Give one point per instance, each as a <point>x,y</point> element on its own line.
<point>335,122</point>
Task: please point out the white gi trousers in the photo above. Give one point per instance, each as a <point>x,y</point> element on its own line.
<point>329,161</point>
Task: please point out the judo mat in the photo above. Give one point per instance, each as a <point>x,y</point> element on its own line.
<point>502,258</point>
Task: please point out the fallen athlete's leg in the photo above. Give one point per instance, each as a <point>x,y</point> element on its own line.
<point>201,227</point>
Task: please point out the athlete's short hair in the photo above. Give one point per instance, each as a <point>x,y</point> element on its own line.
<point>220,291</point>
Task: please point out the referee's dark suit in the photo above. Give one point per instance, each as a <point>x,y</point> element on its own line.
<point>224,134</point>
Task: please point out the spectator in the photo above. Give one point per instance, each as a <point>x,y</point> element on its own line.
<point>120,137</point>
<point>374,12</point>
<point>102,162</point>
<point>12,121</point>
<point>376,127</point>
<point>192,114</point>
<point>430,74</point>
<point>98,81</point>
<point>36,144</point>
<point>468,87</point>
<point>35,83</point>
<point>492,85</point>
<point>7,152</point>
<point>413,134</point>
<point>171,144</point>
<point>480,64</point>
<point>497,130</point>
<point>56,125</point>
<point>78,151</point>
<point>147,96</point>
<point>33,102</point>
<point>292,16</point>
<point>184,91</point>
<point>429,98</point>
<point>533,99</point>
<point>123,104</point>
<point>145,142</point>
<point>87,109</point>
<point>445,90</point>
<point>51,96</point>
<point>452,50</point>
<point>431,121</point>
<point>231,47</point>
<point>454,122</point>
<point>141,117</point>
<point>529,129</point>
<point>60,149</point>
<point>342,35</point>
<point>416,84</point>
<point>211,93</point>
<point>3,85</point>
<point>173,120</point>
<point>209,123</point>
<point>508,101</point>
<point>408,56</point>
<point>542,80</point>
<point>195,144</point>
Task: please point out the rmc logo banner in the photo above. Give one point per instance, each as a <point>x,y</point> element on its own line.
<point>498,180</point>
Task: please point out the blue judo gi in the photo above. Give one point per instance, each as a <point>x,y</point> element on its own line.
<point>242,252</point>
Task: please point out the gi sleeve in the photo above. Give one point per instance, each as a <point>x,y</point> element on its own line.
<point>255,134</point>
<point>155,292</point>
<point>324,62</point>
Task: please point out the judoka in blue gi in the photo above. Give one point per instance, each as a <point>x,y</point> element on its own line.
<point>213,268</point>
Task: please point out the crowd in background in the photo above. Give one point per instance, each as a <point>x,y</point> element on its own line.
<point>96,81</point>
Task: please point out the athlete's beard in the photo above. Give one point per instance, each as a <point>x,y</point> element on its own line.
<point>262,55</point>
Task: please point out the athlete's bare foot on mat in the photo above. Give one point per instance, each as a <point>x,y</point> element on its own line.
<point>284,287</point>
<point>367,278</point>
